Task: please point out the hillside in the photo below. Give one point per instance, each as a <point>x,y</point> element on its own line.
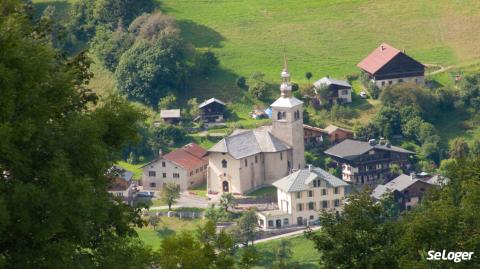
<point>318,36</point>
<point>323,37</point>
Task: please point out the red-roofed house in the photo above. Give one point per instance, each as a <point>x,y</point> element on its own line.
<point>387,65</point>
<point>186,166</point>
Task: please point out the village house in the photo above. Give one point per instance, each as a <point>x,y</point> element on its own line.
<point>408,190</point>
<point>171,116</point>
<point>212,111</point>
<point>249,159</point>
<point>185,166</point>
<point>368,162</point>
<point>313,135</point>
<point>332,133</point>
<point>336,134</point>
<point>340,90</point>
<point>387,65</point>
<point>121,184</point>
<point>302,196</point>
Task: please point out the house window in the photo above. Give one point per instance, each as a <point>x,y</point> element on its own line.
<point>311,206</point>
<point>164,175</point>
<point>324,191</point>
<point>285,222</point>
<point>324,204</point>
<point>163,164</point>
<point>256,159</point>
<point>205,166</point>
<point>299,207</point>
<point>310,193</point>
<point>270,223</point>
<point>422,189</point>
<point>153,185</point>
<point>191,173</point>
<point>298,195</point>
<point>311,217</point>
<point>151,173</point>
<point>400,80</point>
<point>336,202</point>
<point>281,155</point>
<point>176,175</point>
<point>383,83</point>
<point>246,162</point>
<point>224,163</point>
<point>389,82</point>
<point>196,171</point>
<point>344,92</point>
<point>335,191</point>
<point>316,183</point>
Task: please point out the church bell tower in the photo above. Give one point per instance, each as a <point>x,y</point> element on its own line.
<point>287,118</point>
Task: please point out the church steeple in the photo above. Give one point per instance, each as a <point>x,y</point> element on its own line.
<point>286,86</point>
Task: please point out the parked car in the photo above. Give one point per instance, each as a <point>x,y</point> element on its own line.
<point>363,95</point>
<point>145,194</point>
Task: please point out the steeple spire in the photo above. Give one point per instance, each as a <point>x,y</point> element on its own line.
<point>285,87</point>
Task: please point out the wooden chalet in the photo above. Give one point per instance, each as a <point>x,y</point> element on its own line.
<point>212,110</point>
<point>387,65</point>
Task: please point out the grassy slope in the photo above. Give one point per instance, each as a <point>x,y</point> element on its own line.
<point>324,37</point>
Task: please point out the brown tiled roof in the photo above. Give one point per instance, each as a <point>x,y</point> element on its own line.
<point>119,184</point>
<point>189,156</point>
<point>378,58</point>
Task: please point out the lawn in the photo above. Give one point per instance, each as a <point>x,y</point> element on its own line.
<point>166,227</point>
<point>265,191</point>
<point>303,252</point>
<point>200,190</point>
<point>135,168</point>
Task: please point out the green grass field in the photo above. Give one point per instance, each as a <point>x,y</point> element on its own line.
<point>324,37</point>
<point>166,227</point>
<point>303,252</point>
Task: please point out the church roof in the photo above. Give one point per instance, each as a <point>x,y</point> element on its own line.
<point>286,102</point>
<point>301,179</point>
<point>243,143</point>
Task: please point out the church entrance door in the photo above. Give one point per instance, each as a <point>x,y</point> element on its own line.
<point>225,186</point>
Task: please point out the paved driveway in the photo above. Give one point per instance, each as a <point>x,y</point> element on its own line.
<point>186,200</point>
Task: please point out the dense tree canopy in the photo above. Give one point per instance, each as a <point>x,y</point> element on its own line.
<point>55,211</point>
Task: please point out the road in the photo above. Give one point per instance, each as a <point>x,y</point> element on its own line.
<point>186,200</point>
<point>286,235</point>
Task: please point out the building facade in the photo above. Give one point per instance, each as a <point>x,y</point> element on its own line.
<point>368,162</point>
<point>249,159</point>
<point>185,166</point>
<point>302,196</point>
<point>340,90</point>
<point>387,65</point>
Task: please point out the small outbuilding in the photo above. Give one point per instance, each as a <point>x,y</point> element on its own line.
<point>171,116</point>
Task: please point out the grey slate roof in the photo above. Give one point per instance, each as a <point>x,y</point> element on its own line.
<point>329,81</point>
<point>379,191</point>
<point>349,149</point>
<point>401,182</point>
<point>209,101</point>
<point>249,142</point>
<point>301,179</point>
<point>169,113</point>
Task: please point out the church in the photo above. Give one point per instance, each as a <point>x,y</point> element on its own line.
<point>249,159</point>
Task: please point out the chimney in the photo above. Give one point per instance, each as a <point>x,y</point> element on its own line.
<point>404,51</point>
<point>310,167</point>
<point>382,47</point>
<point>388,145</point>
<point>382,141</point>
<point>372,142</point>
<point>412,176</point>
<point>160,153</point>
